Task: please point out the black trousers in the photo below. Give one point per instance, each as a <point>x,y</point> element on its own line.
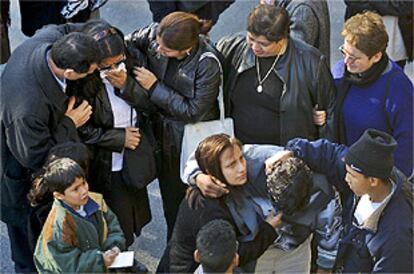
<point>171,187</point>
<point>21,254</point>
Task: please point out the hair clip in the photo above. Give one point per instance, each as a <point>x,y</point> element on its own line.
<point>102,34</point>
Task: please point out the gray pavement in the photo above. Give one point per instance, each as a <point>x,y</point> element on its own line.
<point>129,15</point>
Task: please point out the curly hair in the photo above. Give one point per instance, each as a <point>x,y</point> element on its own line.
<point>289,184</point>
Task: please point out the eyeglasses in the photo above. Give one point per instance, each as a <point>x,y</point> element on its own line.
<point>111,67</point>
<point>350,57</point>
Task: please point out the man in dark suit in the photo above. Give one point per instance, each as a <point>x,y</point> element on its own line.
<point>36,114</point>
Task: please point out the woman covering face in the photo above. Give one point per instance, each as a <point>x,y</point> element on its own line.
<point>182,85</point>
<point>117,133</point>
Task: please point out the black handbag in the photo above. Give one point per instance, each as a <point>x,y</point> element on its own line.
<point>139,168</point>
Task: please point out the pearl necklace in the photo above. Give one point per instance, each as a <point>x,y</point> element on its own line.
<point>259,88</point>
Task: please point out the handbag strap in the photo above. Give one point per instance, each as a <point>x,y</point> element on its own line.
<point>220,95</point>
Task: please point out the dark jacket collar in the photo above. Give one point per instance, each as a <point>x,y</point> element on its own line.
<point>49,86</point>
<point>398,180</point>
<point>249,60</point>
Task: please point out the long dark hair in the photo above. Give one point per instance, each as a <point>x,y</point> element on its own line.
<point>57,176</point>
<point>180,30</point>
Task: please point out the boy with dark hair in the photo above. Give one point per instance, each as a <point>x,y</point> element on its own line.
<point>289,185</point>
<point>377,200</point>
<point>77,152</point>
<point>216,248</point>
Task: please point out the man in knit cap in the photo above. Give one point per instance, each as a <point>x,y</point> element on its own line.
<point>377,200</point>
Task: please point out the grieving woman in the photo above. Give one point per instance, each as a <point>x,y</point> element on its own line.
<point>122,161</point>
<point>182,84</point>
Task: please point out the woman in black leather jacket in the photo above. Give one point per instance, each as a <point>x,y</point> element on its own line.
<point>182,87</point>
<point>122,161</point>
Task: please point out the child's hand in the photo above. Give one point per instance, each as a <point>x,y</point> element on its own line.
<point>110,255</point>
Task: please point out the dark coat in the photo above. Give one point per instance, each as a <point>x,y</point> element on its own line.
<point>32,108</point>
<point>385,242</point>
<point>189,96</point>
<point>306,79</point>
<point>192,97</point>
<point>310,23</point>
<point>36,14</point>
<point>190,221</point>
<point>103,139</point>
<point>403,9</point>
<point>209,10</point>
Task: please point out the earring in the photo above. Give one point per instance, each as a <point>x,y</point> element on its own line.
<point>188,53</point>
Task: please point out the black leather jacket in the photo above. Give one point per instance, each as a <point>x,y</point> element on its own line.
<point>192,96</point>
<point>306,79</point>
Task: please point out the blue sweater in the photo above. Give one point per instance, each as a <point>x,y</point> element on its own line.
<point>364,108</point>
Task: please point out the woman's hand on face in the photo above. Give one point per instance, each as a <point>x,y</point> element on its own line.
<point>210,187</point>
<point>132,137</point>
<point>117,78</point>
<point>319,116</point>
<point>145,77</point>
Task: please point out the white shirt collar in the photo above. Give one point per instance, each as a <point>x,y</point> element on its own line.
<point>62,83</point>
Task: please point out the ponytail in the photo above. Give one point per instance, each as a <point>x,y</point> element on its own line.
<point>57,176</point>
<point>180,30</point>
<point>205,26</point>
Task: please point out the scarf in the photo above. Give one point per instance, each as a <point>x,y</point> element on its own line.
<point>246,213</point>
<point>362,80</point>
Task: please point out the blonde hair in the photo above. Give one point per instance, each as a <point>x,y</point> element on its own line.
<point>366,31</point>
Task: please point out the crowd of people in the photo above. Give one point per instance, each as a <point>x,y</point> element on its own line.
<point>318,177</point>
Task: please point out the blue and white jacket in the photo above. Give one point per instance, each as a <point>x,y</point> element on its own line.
<point>322,215</point>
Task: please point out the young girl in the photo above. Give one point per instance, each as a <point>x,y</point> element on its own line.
<point>81,234</point>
